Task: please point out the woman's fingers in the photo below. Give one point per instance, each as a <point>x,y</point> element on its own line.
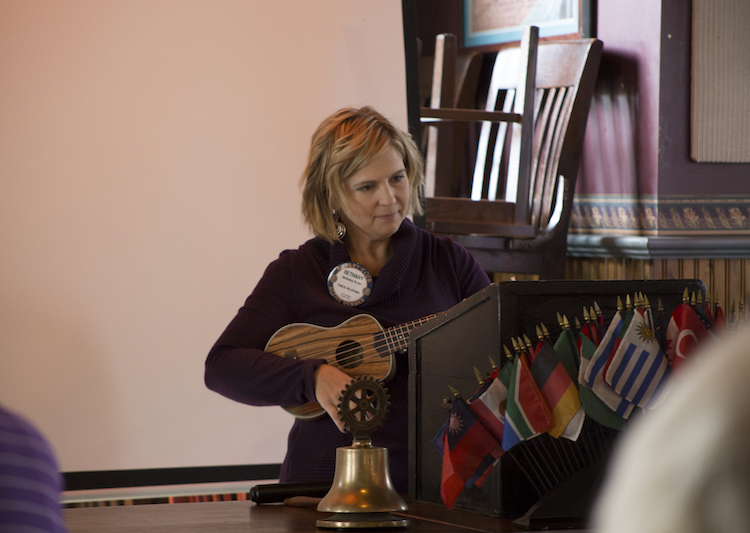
<point>329,383</point>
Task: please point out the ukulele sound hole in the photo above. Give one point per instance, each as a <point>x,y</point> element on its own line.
<point>349,354</point>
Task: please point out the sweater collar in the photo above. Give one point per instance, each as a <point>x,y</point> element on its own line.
<point>399,277</point>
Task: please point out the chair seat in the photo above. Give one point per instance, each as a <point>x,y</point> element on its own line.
<point>466,216</point>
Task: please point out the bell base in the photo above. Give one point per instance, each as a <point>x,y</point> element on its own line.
<point>362,521</point>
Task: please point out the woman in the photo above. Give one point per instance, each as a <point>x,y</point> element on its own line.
<point>361,182</point>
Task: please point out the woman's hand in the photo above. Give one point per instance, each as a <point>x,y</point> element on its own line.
<point>329,382</point>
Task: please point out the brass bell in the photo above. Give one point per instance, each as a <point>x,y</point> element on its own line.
<point>362,494</point>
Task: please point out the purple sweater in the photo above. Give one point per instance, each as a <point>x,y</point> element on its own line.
<point>30,481</point>
<point>426,275</point>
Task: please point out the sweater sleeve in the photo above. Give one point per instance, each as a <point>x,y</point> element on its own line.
<point>238,367</point>
<point>472,278</point>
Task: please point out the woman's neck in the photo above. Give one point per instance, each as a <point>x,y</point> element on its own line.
<point>373,256</point>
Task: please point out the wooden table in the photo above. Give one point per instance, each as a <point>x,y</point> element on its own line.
<point>230,516</point>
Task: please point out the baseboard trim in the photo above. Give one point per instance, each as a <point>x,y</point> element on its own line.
<point>640,247</point>
<point>107,479</point>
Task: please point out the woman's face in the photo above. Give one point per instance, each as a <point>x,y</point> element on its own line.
<point>378,197</point>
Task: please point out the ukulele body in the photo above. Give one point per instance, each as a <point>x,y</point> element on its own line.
<point>357,347</point>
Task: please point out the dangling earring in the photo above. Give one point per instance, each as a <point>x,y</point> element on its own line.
<point>340,228</point>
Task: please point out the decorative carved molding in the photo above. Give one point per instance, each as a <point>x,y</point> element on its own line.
<point>670,216</point>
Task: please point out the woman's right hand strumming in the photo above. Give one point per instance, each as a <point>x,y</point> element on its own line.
<point>329,382</point>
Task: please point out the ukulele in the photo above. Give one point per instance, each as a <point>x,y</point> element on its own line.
<point>359,347</point>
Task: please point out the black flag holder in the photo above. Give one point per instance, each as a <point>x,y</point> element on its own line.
<point>542,483</point>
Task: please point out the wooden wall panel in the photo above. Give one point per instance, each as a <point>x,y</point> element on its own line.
<point>725,279</point>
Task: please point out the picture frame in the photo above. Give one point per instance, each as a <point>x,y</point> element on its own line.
<point>489,22</point>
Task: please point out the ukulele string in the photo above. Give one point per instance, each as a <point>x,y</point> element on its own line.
<point>350,354</point>
<point>380,340</point>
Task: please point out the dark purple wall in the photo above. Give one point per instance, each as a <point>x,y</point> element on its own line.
<point>620,155</point>
<point>678,174</point>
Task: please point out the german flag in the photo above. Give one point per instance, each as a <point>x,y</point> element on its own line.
<point>557,389</point>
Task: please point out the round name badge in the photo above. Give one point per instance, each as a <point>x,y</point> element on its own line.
<point>350,284</point>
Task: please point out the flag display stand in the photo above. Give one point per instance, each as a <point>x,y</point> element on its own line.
<point>568,505</point>
<point>543,482</point>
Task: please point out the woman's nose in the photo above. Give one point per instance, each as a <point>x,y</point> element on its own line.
<point>388,196</point>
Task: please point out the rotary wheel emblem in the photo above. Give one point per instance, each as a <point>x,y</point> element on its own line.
<point>363,405</point>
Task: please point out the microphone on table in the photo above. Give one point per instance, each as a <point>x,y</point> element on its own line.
<point>278,492</point>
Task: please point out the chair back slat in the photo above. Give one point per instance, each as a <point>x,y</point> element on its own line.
<point>523,133</point>
<point>548,131</point>
<point>550,176</point>
<point>497,172</point>
<point>494,135</point>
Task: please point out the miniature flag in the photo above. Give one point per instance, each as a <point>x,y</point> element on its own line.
<point>638,370</point>
<point>489,407</point>
<point>591,374</point>
<point>660,328</point>
<point>466,443</point>
<point>719,320</point>
<point>587,372</point>
<point>566,348</point>
<point>593,406</point>
<point>589,332</point>
<point>527,414</point>
<point>704,314</point>
<point>556,388</point>
<point>684,331</point>
<point>599,324</point>
<point>626,318</point>
<point>533,350</point>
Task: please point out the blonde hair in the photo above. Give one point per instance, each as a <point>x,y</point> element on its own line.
<point>343,144</point>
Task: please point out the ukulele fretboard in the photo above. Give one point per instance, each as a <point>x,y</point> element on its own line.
<point>396,338</point>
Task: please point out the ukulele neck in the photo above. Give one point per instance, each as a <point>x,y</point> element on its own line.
<point>396,338</point>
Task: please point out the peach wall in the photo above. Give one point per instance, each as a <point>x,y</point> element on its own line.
<point>149,159</point>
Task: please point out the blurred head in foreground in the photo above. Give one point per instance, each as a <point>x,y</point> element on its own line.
<point>685,467</point>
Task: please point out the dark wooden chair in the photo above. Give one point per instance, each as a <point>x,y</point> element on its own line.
<point>515,217</point>
<point>448,79</point>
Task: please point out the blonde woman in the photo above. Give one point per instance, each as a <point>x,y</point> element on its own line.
<point>361,183</point>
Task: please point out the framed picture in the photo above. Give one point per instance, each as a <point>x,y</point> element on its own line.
<point>500,21</point>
